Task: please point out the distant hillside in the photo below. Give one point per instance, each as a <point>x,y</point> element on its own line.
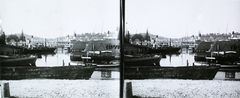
<point>35,37</point>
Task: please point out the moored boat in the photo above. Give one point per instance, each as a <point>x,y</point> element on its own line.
<point>18,72</point>
<point>8,61</point>
<point>185,72</point>
<point>58,72</point>
<point>39,50</point>
<point>101,51</point>
<point>74,57</point>
<point>230,68</point>
<point>165,49</point>
<point>130,60</point>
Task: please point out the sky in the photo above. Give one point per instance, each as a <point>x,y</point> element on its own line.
<point>167,18</point>
<point>54,18</point>
<point>181,18</point>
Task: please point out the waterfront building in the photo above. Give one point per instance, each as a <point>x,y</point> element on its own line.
<point>215,37</point>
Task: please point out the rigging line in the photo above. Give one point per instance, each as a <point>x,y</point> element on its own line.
<point>227,27</point>
<point>102,26</point>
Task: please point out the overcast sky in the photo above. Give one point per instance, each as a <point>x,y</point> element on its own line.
<point>178,18</point>
<point>53,18</point>
<point>168,18</point>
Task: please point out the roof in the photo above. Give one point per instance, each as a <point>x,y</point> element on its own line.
<point>102,45</point>
<point>204,46</point>
<point>79,45</point>
<point>225,46</point>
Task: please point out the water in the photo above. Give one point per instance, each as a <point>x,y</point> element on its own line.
<point>63,57</point>
<point>187,56</point>
<point>181,59</point>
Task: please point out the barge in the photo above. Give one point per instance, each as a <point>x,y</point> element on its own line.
<point>184,72</point>
<point>59,72</point>
<point>40,50</point>
<point>8,61</point>
<point>130,60</point>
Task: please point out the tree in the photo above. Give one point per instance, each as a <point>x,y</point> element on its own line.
<point>14,37</point>
<point>127,37</point>
<point>137,36</point>
<point>22,37</point>
<point>3,39</point>
<point>147,36</point>
<point>75,34</point>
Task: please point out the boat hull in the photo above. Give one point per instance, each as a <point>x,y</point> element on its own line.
<point>142,61</point>
<point>199,58</point>
<point>44,50</point>
<point>166,50</point>
<point>187,72</point>
<point>103,59</point>
<point>61,72</point>
<point>76,57</point>
<point>28,61</point>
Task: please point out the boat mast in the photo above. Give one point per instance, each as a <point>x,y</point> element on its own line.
<point>93,49</point>
<point>227,27</point>
<point>45,44</point>
<point>170,42</point>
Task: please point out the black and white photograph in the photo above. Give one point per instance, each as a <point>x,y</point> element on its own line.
<point>119,48</point>
<point>182,49</point>
<point>60,48</point>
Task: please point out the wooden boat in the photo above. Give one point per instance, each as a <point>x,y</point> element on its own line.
<point>100,52</point>
<point>59,72</point>
<point>232,67</point>
<point>104,57</point>
<point>13,68</point>
<point>183,72</point>
<point>146,60</point>
<point>224,57</point>
<point>40,50</point>
<point>8,61</point>
<point>166,50</point>
<point>75,57</point>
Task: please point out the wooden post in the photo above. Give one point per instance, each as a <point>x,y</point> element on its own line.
<point>129,90</point>
<point>187,62</point>
<point>5,90</point>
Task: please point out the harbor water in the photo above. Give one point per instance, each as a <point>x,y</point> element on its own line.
<point>186,57</point>
<point>62,58</point>
<point>182,59</point>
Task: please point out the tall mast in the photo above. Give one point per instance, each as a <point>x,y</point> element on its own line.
<point>170,42</point>
<point>227,27</point>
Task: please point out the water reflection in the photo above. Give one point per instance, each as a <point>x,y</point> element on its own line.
<point>62,57</point>
<point>105,75</point>
<point>187,58</point>
<point>228,75</point>
<point>181,59</point>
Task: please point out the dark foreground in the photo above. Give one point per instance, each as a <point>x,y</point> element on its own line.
<point>184,72</point>
<point>60,72</point>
